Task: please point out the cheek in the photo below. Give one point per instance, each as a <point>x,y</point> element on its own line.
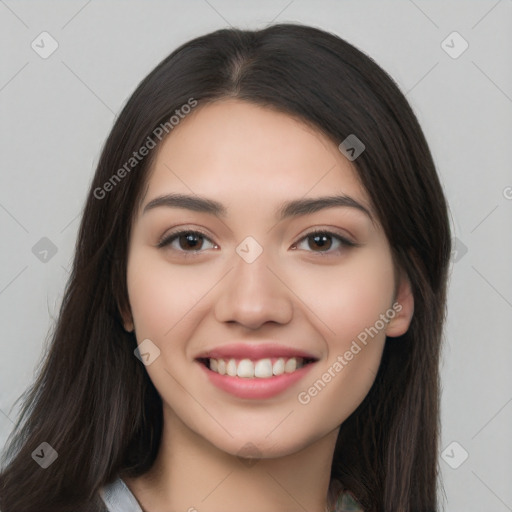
<point>350,306</point>
<point>346,299</point>
<point>162,296</point>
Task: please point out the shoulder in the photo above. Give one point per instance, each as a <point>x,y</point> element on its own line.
<point>118,498</point>
<point>347,503</point>
<point>341,499</point>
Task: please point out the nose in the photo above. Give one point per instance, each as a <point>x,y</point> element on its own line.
<point>252,294</point>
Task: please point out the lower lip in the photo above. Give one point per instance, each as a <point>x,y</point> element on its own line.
<point>256,388</point>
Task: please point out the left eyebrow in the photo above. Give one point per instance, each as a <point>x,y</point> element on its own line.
<point>307,206</point>
<point>294,208</point>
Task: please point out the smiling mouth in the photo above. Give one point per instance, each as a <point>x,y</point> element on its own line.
<point>265,368</point>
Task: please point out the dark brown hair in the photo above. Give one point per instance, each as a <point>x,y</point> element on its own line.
<point>93,401</point>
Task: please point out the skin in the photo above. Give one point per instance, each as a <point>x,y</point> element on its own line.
<point>252,159</point>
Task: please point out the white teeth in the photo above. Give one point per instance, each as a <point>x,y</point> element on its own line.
<point>245,369</point>
<point>290,365</point>
<point>231,368</point>
<point>278,368</point>
<point>261,369</point>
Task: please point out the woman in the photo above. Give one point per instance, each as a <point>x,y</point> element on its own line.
<point>255,311</point>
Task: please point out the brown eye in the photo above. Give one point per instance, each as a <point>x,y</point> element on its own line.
<point>187,241</point>
<point>190,241</point>
<point>322,242</point>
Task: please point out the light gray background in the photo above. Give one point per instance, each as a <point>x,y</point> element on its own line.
<point>56,113</point>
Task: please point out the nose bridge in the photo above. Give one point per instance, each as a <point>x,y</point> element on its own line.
<point>251,294</point>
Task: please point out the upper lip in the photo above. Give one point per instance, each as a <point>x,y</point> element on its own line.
<point>254,351</point>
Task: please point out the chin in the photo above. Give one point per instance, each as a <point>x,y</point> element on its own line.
<point>263,445</point>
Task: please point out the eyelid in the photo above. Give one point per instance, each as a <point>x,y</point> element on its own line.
<point>332,232</point>
<point>336,233</point>
<point>168,236</point>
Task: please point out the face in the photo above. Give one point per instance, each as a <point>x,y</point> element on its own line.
<point>252,282</point>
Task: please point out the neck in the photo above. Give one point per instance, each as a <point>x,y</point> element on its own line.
<point>191,474</point>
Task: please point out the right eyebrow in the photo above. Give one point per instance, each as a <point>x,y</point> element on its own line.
<point>188,202</point>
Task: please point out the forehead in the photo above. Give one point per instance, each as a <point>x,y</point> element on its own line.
<point>234,149</point>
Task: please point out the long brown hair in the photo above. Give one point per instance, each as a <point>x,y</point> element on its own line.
<point>93,401</point>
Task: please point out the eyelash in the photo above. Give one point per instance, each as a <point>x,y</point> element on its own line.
<point>167,240</point>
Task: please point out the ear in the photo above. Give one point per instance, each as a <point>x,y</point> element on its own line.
<point>127,320</point>
<point>403,306</point>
